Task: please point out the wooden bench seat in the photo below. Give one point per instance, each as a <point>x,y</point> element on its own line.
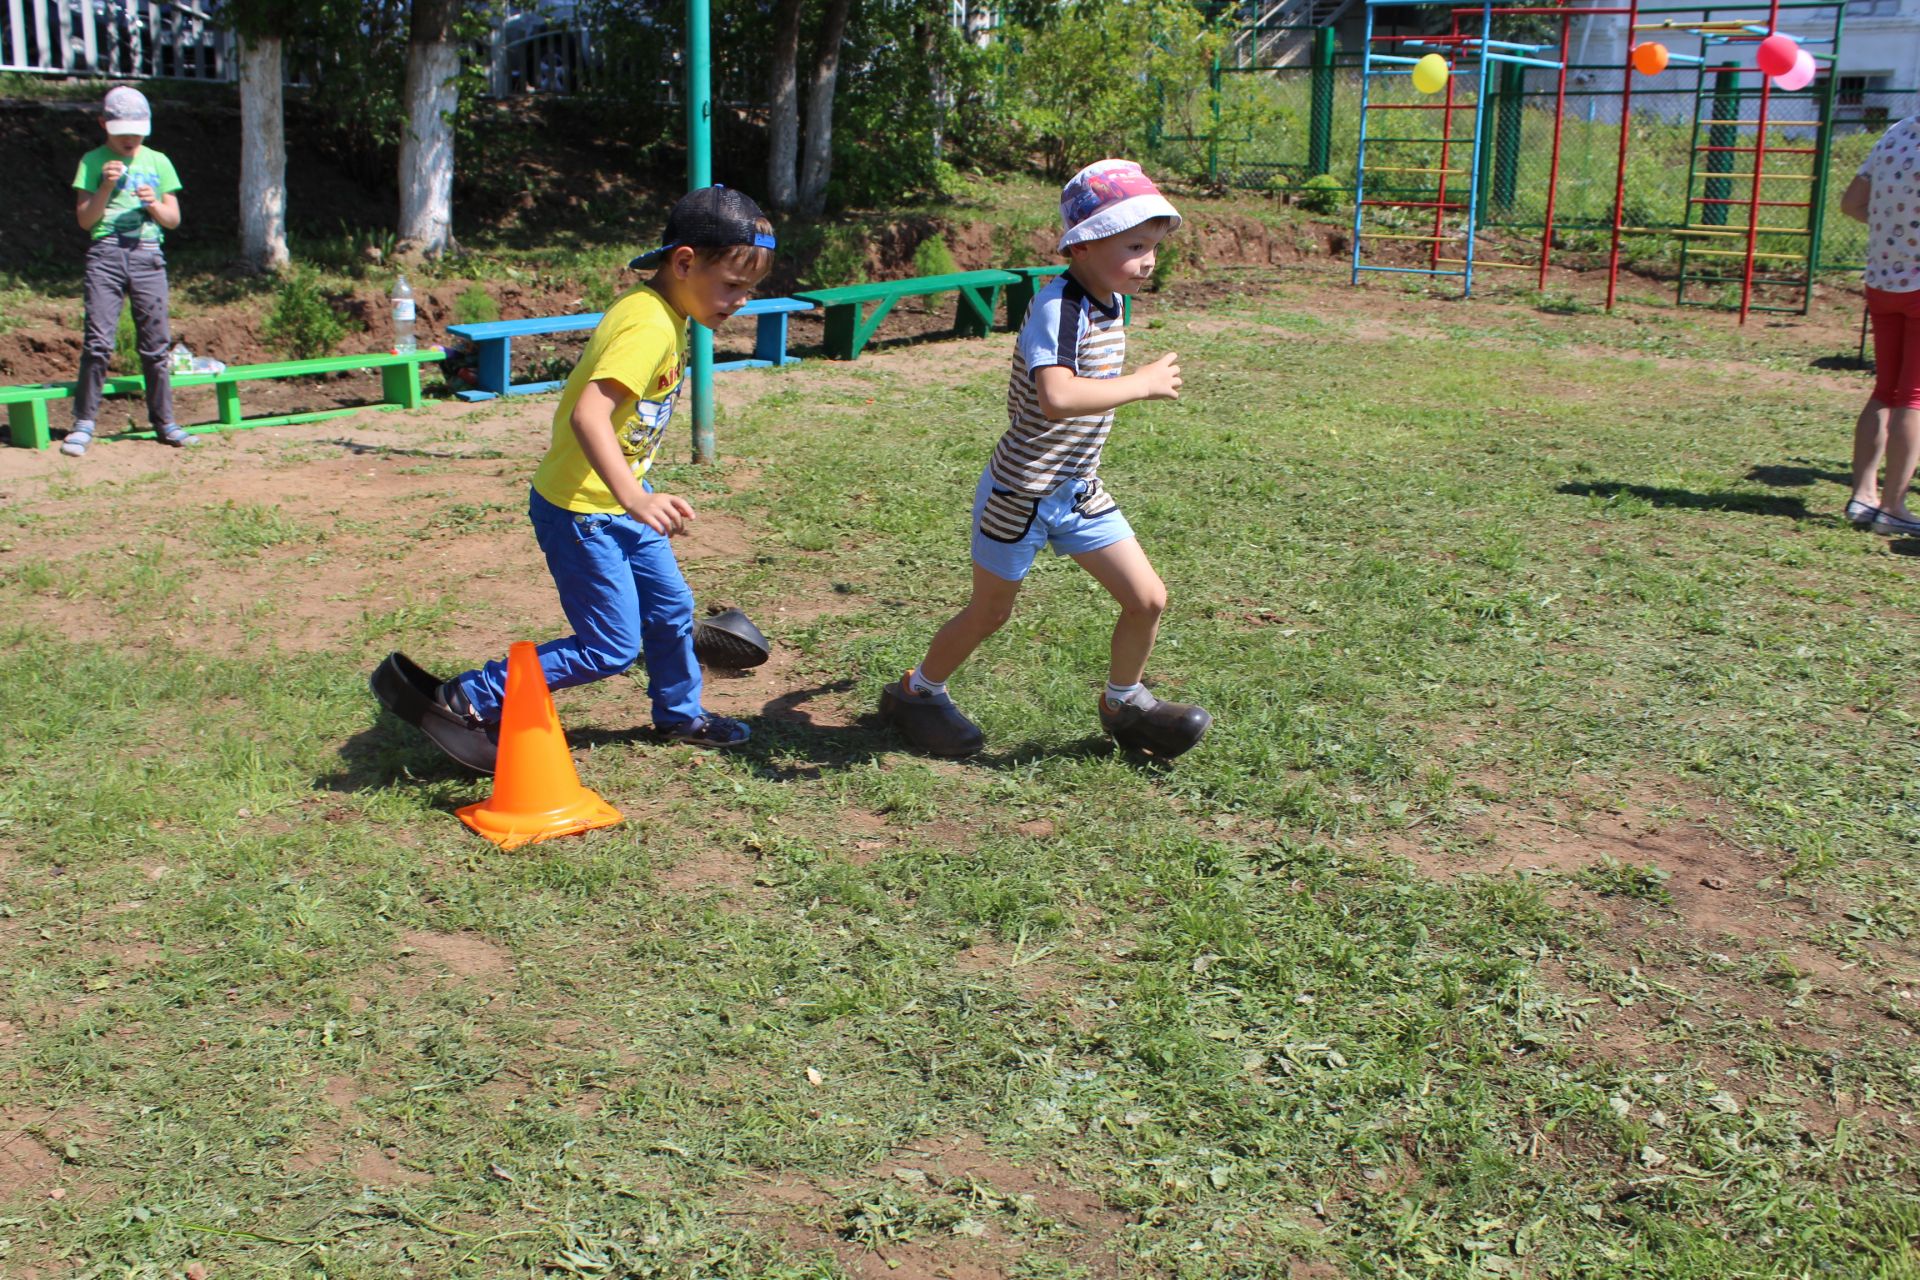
<point>27,418</point>
<point>854,311</point>
<point>493,345</point>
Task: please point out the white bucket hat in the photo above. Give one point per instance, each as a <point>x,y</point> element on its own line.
<point>1106,198</point>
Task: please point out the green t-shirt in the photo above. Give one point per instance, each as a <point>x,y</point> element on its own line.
<point>125,214</point>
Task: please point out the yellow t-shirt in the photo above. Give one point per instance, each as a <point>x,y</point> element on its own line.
<point>642,343</point>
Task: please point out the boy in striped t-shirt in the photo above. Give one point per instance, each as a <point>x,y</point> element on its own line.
<point>1042,484</point>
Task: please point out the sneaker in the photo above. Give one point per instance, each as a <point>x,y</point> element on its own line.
<point>708,731</point>
<point>1146,724</point>
<point>1860,514</point>
<point>929,722</point>
<point>78,438</point>
<point>174,434</point>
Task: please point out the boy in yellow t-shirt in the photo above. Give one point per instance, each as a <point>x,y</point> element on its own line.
<point>604,530</point>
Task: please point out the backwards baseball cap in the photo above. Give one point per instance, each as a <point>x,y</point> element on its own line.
<point>713,217</point>
<point>126,112</point>
<point>1106,198</point>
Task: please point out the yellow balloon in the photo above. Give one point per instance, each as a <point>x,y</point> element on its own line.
<point>1430,73</point>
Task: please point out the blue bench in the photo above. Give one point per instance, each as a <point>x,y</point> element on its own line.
<point>493,344</point>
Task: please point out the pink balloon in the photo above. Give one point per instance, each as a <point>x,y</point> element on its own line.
<point>1799,76</point>
<point>1775,54</point>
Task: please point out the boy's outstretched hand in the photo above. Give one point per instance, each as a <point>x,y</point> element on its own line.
<point>662,512</point>
<point>1162,378</point>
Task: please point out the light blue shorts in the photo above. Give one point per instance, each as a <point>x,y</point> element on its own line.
<point>1009,528</point>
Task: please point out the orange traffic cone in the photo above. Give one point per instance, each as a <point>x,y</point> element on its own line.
<point>536,791</point>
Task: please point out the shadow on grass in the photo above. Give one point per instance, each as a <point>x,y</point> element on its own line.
<point>1794,476</point>
<point>1757,504</point>
<point>1843,364</point>
<point>390,750</point>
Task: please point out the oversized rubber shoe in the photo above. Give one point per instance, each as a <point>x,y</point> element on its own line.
<point>932,726</point>
<point>730,640</point>
<point>411,694</point>
<point>1163,730</point>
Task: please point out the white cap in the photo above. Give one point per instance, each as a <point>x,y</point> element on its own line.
<point>127,112</point>
<point>1106,198</point>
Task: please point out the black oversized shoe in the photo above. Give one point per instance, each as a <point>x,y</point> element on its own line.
<point>438,710</point>
<point>729,640</point>
<point>929,722</point>
<point>1159,729</point>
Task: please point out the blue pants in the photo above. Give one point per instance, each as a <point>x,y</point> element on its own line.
<point>622,590</point>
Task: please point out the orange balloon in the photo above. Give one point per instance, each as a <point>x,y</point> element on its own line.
<point>1650,59</point>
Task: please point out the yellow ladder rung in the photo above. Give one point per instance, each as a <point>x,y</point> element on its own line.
<point>1377,168</point>
<point>1784,177</point>
<point>1477,263</point>
<point>1736,253</point>
<point>1740,231</point>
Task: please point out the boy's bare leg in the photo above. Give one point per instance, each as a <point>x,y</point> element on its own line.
<point>1123,569</point>
<point>1869,445</point>
<point>1903,450</point>
<point>986,613</point>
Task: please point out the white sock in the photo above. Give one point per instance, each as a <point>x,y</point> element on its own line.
<point>1121,694</point>
<point>917,683</point>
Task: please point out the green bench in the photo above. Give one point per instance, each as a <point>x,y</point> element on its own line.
<point>850,320</point>
<point>399,389</point>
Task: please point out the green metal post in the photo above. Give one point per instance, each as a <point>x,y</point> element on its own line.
<point>1822,164</point>
<point>1506,153</point>
<point>1726,106</point>
<point>700,174</point>
<point>1213,142</point>
<point>1320,114</point>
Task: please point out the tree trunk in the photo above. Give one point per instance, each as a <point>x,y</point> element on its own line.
<point>783,114</point>
<point>816,163</point>
<point>426,148</point>
<point>263,157</point>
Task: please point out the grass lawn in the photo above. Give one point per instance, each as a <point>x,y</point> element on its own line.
<point>1542,903</point>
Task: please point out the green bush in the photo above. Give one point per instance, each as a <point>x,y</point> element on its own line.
<point>931,257</point>
<point>475,306</point>
<point>842,258</point>
<point>303,322</point>
<point>1322,193</point>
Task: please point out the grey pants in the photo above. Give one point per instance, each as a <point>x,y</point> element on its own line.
<point>122,267</point>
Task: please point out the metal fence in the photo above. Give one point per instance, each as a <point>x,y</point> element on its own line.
<point>1273,128</point>
<point>121,39</point>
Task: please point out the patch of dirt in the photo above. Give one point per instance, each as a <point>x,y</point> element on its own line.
<point>33,1166</point>
<point>463,957</point>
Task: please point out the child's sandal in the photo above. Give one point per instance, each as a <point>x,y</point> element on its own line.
<point>75,445</point>
<point>174,434</point>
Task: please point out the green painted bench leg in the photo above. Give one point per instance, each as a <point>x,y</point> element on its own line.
<point>973,313</point>
<point>27,424</point>
<point>400,384</point>
<point>1019,298</point>
<point>841,323</point>
<point>227,395</point>
<point>870,324</point>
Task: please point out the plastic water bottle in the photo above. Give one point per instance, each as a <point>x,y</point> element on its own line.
<point>403,339</point>
<point>180,359</point>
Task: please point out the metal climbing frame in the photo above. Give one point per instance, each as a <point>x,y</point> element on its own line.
<point>1705,231</point>
<point>1785,197</point>
<point>1485,53</point>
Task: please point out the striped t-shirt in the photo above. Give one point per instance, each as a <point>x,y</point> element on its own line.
<point>1063,327</point>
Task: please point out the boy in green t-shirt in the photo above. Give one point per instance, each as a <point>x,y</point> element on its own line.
<point>126,199</point>
<point>605,532</point>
